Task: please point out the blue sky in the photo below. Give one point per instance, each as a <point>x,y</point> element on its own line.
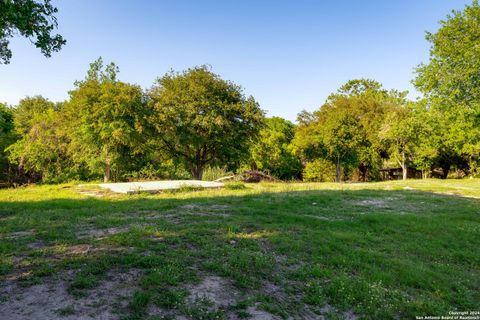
<point>290,55</point>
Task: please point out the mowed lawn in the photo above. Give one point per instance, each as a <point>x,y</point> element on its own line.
<point>390,250</point>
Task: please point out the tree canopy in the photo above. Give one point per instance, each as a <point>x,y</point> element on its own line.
<point>272,151</point>
<point>32,19</point>
<point>450,82</point>
<point>345,129</point>
<point>203,119</point>
<point>41,147</point>
<point>107,120</point>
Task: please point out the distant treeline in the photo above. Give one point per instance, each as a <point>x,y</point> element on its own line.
<point>193,122</point>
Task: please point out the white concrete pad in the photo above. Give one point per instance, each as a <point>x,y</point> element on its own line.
<point>155,186</point>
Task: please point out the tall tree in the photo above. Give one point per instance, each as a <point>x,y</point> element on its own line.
<point>400,133</point>
<point>451,84</point>
<point>107,119</point>
<point>330,133</point>
<point>339,132</point>
<point>202,119</point>
<point>32,19</point>
<point>369,103</point>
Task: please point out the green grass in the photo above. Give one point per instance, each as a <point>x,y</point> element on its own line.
<point>378,250</point>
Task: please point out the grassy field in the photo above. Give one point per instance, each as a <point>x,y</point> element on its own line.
<point>390,250</point>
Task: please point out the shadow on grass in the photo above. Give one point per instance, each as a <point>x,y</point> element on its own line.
<point>394,246</point>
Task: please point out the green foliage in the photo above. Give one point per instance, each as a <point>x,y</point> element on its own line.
<point>452,72</point>
<point>107,119</point>
<point>7,137</point>
<point>139,302</point>
<point>319,170</point>
<point>345,129</point>
<point>307,143</point>
<point>153,168</point>
<point>26,111</point>
<point>33,19</point>
<point>271,150</point>
<point>214,173</point>
<point>42,146</point>
<point>451,84</point>
<point>202,119</point>
<point>339,131</point>
<point>400,134</point>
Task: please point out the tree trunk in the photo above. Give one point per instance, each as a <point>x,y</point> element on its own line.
<point>106,174</point>
<point>404,167</point>
<point>445,170</point>
<point>363,169</point>
<point>337,170</point>
<point>197,172</point>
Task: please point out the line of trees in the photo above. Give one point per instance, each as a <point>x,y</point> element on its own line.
<point>186,121</point>
<point>192,120</point>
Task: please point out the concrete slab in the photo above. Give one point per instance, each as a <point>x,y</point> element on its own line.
<point>156,186</point>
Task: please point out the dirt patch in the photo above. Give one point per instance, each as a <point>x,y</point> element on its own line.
<point>216,289</point>
<point>197,210</point>
<point>79,249</point>
<point>20,234</point>
<point>172,218</point>
<point>213,207</point>
<point>327,311</point>
<point>59,251</point>
<point>349,315</point>
<point>395,204</point>
<point>23,266</point>
<point>99,234</point>
<point>380,203</point>
<point>92,191</point>
<point>160,313</point>
<point>51,300</point>
<point>37,245</point>
<point>222,293</point>
<point>330,218</point>
<point>260,314</point>
<point>376,203</point>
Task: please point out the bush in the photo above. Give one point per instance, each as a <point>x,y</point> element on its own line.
<point>319,170</point>
<point>159,170</point>
<point>213,173</point>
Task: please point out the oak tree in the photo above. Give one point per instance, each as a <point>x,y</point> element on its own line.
<point>202,119</point>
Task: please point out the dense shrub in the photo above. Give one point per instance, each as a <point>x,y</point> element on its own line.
<point>319,170</point>
<point>214,173</point>
<point>155,170</point>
